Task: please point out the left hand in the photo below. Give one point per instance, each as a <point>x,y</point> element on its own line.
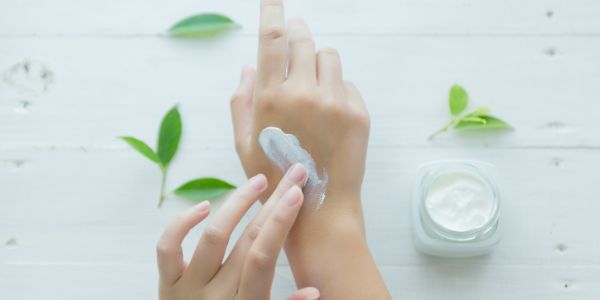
<point>248,271</point>
<point>304,93</point>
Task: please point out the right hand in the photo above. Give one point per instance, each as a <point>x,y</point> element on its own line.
<point>248,271</point>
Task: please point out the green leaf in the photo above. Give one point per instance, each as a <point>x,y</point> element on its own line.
<point>490,122</point>
<point>473,119</point>
<point>481,111</point>
<point>459,99</point>
<point>203,189</point>
<point>202,25</point>
<point>169,136</point>
<point>142,148</point>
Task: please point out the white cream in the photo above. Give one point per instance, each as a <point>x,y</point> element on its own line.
<point>284,150</point>
<point>460,201</point>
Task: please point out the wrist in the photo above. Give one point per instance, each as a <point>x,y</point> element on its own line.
<point>337,224</point>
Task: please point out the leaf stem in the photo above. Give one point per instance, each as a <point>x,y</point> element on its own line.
<point>443,129</point>
<point>162,187</point>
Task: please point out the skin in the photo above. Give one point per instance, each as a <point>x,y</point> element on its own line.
<point>247,273</point>
<point>303,92</point>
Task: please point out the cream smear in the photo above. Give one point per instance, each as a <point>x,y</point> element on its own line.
<point>284,150</point>
<point>460,201</point>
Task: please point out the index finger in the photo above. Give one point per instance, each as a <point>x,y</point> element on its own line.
<point>259,269</point>
<point>272,44</point>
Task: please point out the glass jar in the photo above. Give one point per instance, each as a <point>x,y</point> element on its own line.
<point>432,237</point>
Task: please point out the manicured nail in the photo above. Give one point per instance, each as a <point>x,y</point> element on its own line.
<point>297,174</point>
<point>202,207</point>
<point>312,294</point>
<point>258,182</point>
<point>292,196</point>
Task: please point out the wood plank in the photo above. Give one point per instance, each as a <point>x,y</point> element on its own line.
<point>100,207</point>
<point>431,17</point>
<point>428,280</point>
<point>108,87</point>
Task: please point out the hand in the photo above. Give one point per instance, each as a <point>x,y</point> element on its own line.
<point>304,93</point>
<point>313,102</point>
<point>248,271</point>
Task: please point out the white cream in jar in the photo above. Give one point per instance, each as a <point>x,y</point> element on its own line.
<point>456,208</point>
<point>460,201</point>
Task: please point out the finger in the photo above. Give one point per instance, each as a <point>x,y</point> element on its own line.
<point>213,243</point>
<point>302,65</point>
<point>259,268</point>
<point>354,97</point>
<point>241,106</point>
<point>272,44</point>
<point>308,293</point>
<point>232,268</point>
<point>330,70</point>
<point>169,253</point>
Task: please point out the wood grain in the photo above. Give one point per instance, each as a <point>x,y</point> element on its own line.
<point>78,216</point>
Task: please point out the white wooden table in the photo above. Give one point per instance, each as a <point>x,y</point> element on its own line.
<point>78,216</point>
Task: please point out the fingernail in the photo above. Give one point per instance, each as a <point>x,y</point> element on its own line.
<point>293,196</point>
<point>312,294</point>
<point>258,182</point>
<point>202,207</point>
<point>297,174</point>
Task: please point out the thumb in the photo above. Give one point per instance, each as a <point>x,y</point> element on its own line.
<point>308,293</point>
<point>241,105</point>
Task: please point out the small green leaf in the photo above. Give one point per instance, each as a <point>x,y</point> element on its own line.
<point>202,25</point>
<point>142,148</point>
<point>481,111</point>
<point>169,136</point>
<point>203,189</point>
<point>473,119</point>
<point>459,99</point>
<point>490,122</point>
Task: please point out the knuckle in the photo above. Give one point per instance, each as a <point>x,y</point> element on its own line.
<point>361,118</point>
<point>336,109</point>
<point>259,260</point>
<point>273,32</point>
<point>266,101</point>
<point>329,52</point>
<point>266,105</point>
<point>253,231</point>
<point>214,236</point>
<point>306,95</point>
<point>280,220</point>
<point>306,41</point>
<point>164,249</point>
<point>236,97</point>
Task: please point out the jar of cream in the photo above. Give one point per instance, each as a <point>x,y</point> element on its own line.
<point>456,208</point>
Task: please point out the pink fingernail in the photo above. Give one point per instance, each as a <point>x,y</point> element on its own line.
<point>297,174</point>
<point>202,207</point>
<point>258,182</point>
<point>312,293</point>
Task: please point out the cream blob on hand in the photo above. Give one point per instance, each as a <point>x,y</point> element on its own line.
<point>284,150</point>
<point>460,201</point>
